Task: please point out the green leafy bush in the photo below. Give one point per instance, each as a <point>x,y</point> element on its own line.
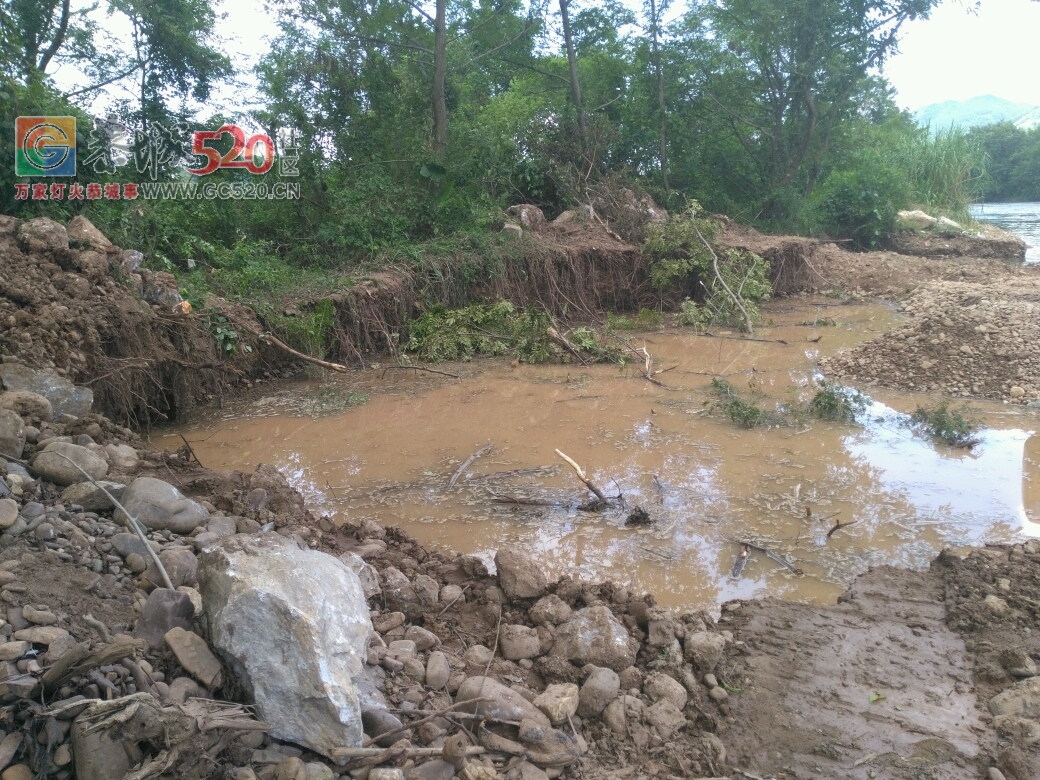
<point>861,204</point>
<point>838,404</point>
<point>953,427</point>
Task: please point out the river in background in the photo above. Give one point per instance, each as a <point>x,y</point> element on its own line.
<point>1022,219</point>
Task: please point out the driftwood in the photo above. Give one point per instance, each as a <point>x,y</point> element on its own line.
<point>741,562</point>
<point>426,369</point>
<point>581,475</point>
<point>465,464</point>
<point>79,660</point>
<point>769,554</point>
<point>521,501</point>
<point>130,518</point>
<point>513,473</point>
<point>191,451</point>
<point>838,525</point>
<point>557,338</point>
<point>277,342</point>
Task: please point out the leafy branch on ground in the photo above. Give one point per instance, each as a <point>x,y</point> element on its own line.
<point>831,402</point>
<point>953,427</point>
<point>684,251</point>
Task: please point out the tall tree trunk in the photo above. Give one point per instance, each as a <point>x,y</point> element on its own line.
<point>663,129</point>
<point>572,61</point>
<point>440,67</point>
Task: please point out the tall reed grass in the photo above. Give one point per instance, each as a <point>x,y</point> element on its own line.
<point>945,170</point>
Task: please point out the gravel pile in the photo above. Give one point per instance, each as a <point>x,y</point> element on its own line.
<point>961,338</point>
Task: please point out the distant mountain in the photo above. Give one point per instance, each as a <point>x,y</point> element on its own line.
<point>977,111</point>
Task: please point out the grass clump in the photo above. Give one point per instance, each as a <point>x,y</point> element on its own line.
<point>646,319</point>
<point>741,412</point>
<point>835,403</point>
<point>953,427</point>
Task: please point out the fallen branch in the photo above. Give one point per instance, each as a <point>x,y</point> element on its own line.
<point>521,501</point>
<point>414,724</point>
<point>424,368</point>
<point>769,554</point>
<point>190,450</point>
<point>515,473</point>
<point>838,525</point>
<point>465,465</point>
<point>557,338</point>
<point>277,342</point>
<point>648,368</point>
<point>452,602</point>
<point>718,275</point>
<point>340,755</point>
<point>130,518</point>
<point>581,475</point>
<point>98,626</point>
<point>741,562</point>
<point>709,334</point>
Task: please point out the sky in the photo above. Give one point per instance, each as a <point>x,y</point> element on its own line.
<point>954,55</point>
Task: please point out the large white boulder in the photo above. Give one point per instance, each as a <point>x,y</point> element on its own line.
<point>294,626</point>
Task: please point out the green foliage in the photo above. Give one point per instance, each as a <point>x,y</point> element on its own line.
<point>861,204</point>
<point>479,329</point>
<point>223,331</point>
<point>944,170</point>
<point>684,251</point>
<point>741,412</point>
<point>645,319</point>
<point>953,427</point>
<point>310,331</point>
<point>835,403</point>
<point>1012,162</point>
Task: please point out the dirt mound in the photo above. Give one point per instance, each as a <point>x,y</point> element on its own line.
<point>792,259</point>
<point>988,241</point>
<point>72,302</point>
<point>962,338</point>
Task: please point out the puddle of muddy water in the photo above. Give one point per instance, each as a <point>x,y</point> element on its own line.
<point>704,481</point>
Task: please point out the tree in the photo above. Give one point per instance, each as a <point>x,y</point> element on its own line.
<point>785,74</point>
<point>572,65</point>
<point>657,7</point>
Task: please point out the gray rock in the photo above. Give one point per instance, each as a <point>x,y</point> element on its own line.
<point>599,689</point>
<point>99,756</point>
<point>194,656</point>
<point>422,638</point>
<point>525,770</point>
<point>136,563</point>
<point>161,507</point>
<point>12,434</point>
<point>451,594</point>
<point>366,573</point>
<point>83,235</point>
<point>53,466</point>
<point>65,397</point>
<point>505,704</point>
<point>43,236</point>
<point>435,770</point>
<point>318,771</point>
<point>165,609</point>
<point>550,610</point>
<point>379,721</point>
<point>1021,700</point>
<point>519,575</point>
<point>400,594</point>
<point>27,404</point>
<point>661,687</point>
<point>122,457</point>
<point>719,694</point>
<point>126,543</point>
<point>994,774</point>
<point>427,589</point>
<point>1017,662</point>
<point>594,636</point>
<point>437,670</point>
<point>222,526</point>
<point>182,689</point>
<point>518,642</point>
<point>665,718</point>
<point>180,563</point>
<point>623,711</point>
<point>477,656</point>
<point>295,627</point>
<point>91,497</point>
<point>704,649</point>
<point>8,512</point>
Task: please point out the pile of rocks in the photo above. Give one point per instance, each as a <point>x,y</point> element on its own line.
<point>360,651</point>
<point>961,338</point>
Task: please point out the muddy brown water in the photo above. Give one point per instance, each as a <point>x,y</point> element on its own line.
<point>704,481</point>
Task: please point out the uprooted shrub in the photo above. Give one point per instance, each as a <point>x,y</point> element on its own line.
<point>685,253</point>
<point>953,427</point>
<point>835,403</point>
